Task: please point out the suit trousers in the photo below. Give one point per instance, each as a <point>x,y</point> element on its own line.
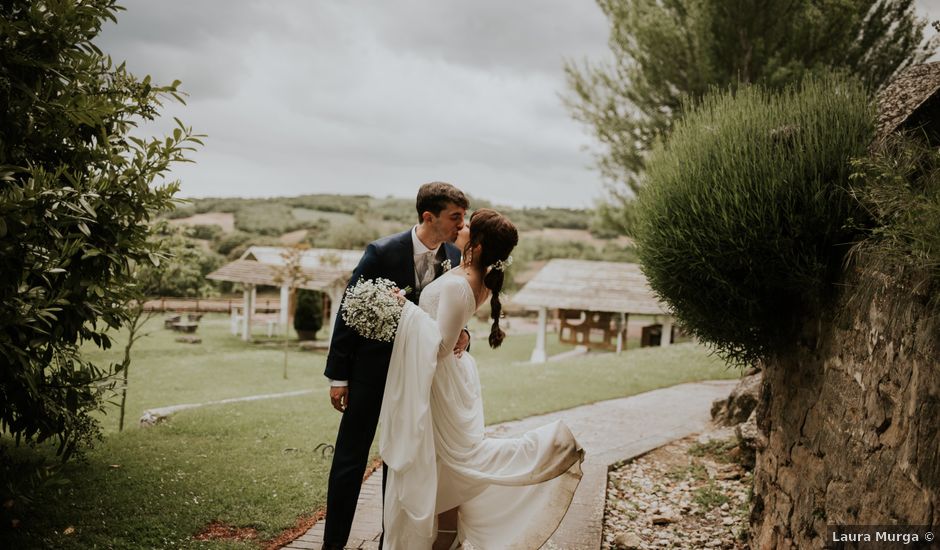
<point>350,457</point>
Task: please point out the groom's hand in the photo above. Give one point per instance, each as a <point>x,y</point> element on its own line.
<point>339,397</point>
<point>462,342</point>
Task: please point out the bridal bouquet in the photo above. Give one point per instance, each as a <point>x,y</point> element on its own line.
<point>372,308</point>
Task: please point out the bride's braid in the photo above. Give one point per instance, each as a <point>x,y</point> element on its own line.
<point>497,237</point>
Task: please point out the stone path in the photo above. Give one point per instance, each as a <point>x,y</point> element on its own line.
<point>610,432</point>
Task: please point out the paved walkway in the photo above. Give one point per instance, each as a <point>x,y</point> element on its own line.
<point>610,432</point>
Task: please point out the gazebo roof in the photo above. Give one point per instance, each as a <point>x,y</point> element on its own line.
<point>590,286</point>
<point>260,265</point>
<point>314,258</point>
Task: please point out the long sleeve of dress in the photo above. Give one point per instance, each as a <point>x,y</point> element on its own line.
<point>456,303</point>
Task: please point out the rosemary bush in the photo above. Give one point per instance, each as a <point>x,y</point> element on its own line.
<point>742,224</point>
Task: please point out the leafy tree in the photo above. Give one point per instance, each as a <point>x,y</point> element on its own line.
<point>184,274</point>
<point>667,52</point>
<point>77,195</point>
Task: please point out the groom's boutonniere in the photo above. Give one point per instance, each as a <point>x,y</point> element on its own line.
<point>446,265</point>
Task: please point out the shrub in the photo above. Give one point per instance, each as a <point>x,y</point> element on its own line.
<point>308,316</point>
<point>352,235</point>
<point>229,243</point>
<point>206,232</point>
<point>898,186</point>
<point>742,224</point>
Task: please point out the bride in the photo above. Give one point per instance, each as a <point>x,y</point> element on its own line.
<point>448,483</point>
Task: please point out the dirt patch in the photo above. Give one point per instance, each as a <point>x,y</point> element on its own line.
<point>225,220</point>
<point>293,237</point>
<point>221,531</point>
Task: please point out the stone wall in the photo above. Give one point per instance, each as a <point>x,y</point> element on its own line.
<point>852,420</point>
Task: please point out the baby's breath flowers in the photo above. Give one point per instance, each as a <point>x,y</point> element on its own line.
<point>372,308</point>
<point>502,265</point>
<point>446,265</point>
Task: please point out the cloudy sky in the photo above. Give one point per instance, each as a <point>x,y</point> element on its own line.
<point>360,96</point>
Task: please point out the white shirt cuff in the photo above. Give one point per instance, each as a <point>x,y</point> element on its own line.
<point>339,383</point>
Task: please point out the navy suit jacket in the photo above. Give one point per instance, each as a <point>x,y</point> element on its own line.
<point>353,357</point>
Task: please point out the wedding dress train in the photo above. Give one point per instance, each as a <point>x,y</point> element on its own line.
<point>511,492</point>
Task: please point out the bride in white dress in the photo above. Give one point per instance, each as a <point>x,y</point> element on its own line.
<point>448,483</point>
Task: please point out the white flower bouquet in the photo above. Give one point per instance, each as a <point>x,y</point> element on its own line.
<point>373,308</point>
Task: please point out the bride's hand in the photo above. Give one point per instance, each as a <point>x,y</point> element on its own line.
<point>462,342</point>
<point>400,294</point>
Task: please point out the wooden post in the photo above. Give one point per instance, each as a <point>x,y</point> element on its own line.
<point>538,354</point>
<point>249,294</point>
<point>666,337</point>
<point>622,327</point>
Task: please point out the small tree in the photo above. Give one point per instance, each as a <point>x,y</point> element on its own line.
<point>77,195</point>
<point>669,53</point>
<point>174,257</point>
<point>308,315</point>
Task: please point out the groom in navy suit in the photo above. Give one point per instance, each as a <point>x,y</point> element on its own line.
<point>357,366</point>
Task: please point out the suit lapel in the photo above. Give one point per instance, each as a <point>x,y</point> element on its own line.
<point>439,260</point>
<point>407,265</point>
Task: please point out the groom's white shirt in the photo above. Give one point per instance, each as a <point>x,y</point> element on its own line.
<point>419,251</point>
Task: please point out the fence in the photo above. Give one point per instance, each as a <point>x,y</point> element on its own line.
<point>209,305</point>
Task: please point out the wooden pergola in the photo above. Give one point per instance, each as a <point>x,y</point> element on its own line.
<point>326,270</point>
<point>603,294</point>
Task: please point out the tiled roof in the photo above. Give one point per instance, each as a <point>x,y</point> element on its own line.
<point>260,265</point>
<point>592,286</point>
<point>905,94</point>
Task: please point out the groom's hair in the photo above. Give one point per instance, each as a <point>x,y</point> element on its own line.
<point>435,196</point>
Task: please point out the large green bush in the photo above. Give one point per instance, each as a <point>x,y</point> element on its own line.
<point>743,220</point>
<point>78,193</point>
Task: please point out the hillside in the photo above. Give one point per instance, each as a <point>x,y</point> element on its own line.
<point>228,226</point>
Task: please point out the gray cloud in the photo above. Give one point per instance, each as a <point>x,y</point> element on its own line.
<point>373,97</point>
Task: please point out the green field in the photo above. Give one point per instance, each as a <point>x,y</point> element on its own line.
<point>256,464</point>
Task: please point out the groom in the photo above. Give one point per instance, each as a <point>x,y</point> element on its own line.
<point>357,366</point>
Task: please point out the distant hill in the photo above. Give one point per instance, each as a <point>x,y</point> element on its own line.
<point>280,215</point>
<point>228,226</point>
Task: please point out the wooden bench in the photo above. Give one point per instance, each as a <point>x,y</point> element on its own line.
<point>184,326</point>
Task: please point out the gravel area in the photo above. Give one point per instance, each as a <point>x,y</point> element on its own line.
<point>692,493</point>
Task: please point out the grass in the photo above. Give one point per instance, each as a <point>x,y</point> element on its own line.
<point>716,449</point>
<point>256,464</point>
<point>710,496</point>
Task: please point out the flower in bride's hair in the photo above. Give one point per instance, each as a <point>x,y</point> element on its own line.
<point>446,265</point>
<point>372,307</point>
<point>501,265</point>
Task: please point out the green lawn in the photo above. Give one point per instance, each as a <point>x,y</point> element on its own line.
<point>255,464</point>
